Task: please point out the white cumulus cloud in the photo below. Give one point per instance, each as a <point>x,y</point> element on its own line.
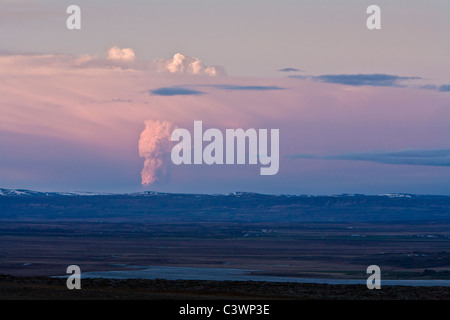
<point>118,58</point>
<point>125,54</point>
<point>180,63</point>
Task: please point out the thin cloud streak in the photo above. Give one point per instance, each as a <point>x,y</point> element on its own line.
<point>184,91</point>
<point>444,88</point>
<point>376,79</point>
<point>289,70</point>
<point>175,91</point>
<point>245,88</point>
<point>418,157</point>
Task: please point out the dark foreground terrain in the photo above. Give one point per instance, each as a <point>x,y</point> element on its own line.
<point>42,288</point>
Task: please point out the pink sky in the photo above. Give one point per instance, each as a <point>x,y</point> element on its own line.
<point>72,123</point>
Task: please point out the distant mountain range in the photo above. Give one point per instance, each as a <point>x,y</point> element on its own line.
<point>25,192</point>
<point>18,204</point>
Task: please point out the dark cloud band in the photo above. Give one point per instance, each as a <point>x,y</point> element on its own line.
<point>184,91</point>
<point>245,88</point>
<point>175,91</point>
<point>444,88</point>
<point>289,70</point>
<point>422,157</point>
<point>376,79</point>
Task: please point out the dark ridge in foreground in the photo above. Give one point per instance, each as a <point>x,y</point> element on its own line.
<point>42,288</point>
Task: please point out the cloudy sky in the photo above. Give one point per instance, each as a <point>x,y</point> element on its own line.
<point>359,111</point>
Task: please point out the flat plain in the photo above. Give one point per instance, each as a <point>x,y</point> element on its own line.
<point>41,236</point>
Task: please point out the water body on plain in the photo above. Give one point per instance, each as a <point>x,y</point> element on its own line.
<point>226,274</point>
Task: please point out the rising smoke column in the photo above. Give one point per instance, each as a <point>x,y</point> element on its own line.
<point>153,144</point>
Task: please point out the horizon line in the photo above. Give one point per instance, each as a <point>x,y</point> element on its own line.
<point>148,192</point>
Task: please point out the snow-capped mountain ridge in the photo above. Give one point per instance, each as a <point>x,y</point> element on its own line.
<point>25,192</point>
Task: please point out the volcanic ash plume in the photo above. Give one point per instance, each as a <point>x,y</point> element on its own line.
<point>153,145</point>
